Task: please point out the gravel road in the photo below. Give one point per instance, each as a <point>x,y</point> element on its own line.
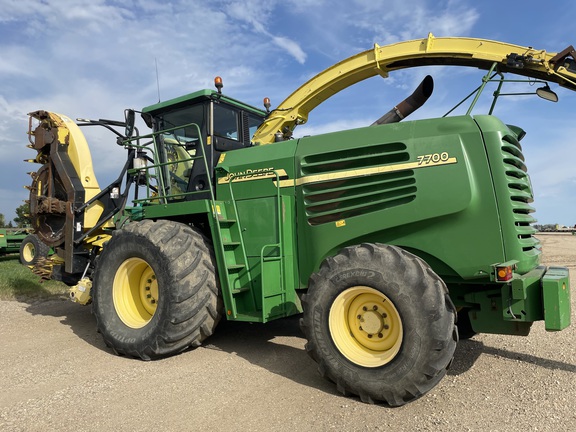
<point>57,375</point>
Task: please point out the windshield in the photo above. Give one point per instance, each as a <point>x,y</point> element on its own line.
<point>184,116</point>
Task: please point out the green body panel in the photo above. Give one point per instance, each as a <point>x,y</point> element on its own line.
<point>454,191</point>
<point>10,240</point>
<point>248,181</point>
<point>556,288</point>
<point>541,294</point>
<point>159,211</point>
<point>447,213</point>
<point>513,193</point>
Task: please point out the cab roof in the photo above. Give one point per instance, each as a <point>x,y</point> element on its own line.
<point>200,96</point>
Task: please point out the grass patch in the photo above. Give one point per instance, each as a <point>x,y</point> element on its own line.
<point>17,282</point>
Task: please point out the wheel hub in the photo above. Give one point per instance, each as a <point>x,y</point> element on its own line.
<point>365,326</point>
<point>371,322</point>
<point>29,252</point>
<point>135,292</point>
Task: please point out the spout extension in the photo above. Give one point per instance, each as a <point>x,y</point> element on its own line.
<point>410,104</point>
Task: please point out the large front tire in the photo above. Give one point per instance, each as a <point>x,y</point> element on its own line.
<point>155,290</point>
<point>379,323</point>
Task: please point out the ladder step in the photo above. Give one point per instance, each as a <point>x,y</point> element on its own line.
<point>231,243</point>
<point>268,259</point>
<point>227,221</point>
<point>235,267</point>
<point>240,290</point>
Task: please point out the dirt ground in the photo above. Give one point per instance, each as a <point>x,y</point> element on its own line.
<point>57,375</point>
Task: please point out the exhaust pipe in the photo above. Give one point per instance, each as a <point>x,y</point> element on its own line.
<point>410,104</point>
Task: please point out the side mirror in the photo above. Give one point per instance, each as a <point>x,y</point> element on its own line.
<point>130,117</point>
<point>147,119</point>
<point>547,94</point>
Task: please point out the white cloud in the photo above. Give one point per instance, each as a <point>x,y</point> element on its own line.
<point>291,47</point>
<point>256,13</point>
<point>93,59</point>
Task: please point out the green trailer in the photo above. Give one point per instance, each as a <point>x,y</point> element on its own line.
<point>11,239</point>
<point>25,243</point>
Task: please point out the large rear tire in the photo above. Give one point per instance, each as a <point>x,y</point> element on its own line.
<point>379,323</point>
<point>32,249</point>
<point>155,290</point>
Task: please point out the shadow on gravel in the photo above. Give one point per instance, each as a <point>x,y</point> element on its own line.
<point>276,346</point>
<point>78,318</point>
<point>528,358</point>
<point>468,351</point>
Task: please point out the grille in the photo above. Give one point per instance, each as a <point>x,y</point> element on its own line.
<point>345,195</point>
<point>520,191</point>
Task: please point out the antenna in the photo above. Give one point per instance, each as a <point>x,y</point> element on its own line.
<point>157,80</point>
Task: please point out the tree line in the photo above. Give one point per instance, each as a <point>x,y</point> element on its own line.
<point>22,219</point>
<point>553,227</point>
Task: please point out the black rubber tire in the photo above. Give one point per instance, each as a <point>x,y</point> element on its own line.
<point>425,310</point>
<point>189,304</point>
<point>32,249</point>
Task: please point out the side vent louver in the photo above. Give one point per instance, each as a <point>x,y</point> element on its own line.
<point>345,195</point>
<point>520,191</point>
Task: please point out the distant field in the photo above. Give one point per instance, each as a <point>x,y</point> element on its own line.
<point>17,282</point>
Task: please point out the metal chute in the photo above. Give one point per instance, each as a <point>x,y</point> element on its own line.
<point>410,104</point>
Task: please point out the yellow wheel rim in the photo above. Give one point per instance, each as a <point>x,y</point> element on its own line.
<point>365,326</point>
<point>135,292</point>
<point>28,252</point>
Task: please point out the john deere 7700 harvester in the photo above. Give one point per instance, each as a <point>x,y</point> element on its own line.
<point>385,237</point>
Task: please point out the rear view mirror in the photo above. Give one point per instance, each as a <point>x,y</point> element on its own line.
<point>130,119</point>
<point>547,94</point>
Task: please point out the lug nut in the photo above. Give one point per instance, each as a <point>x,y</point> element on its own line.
<point>364,308</point>
<point>153,301</point>
<point>369,336</point>
<point>374,307</point>
<point>147,288</point>
<point>380,335</point>
<point>386,326</point>
<point>148,295</point>
<point>384,315</point>
<point>359,317</point>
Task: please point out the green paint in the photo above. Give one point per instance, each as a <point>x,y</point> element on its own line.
<point>454,191</point>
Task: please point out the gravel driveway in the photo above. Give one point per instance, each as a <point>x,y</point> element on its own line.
<point>57,375</point>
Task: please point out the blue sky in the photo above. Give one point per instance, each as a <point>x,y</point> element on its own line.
<point>94,58</point>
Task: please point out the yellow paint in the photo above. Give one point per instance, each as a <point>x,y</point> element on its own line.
<point>383,59</point>
<point>97,241</point>
<point>79,153</point>
<point>80,293</point>
<point>340,223</point>
<point>365,326</point>
<point>135,292</point>
<point>222,157</point>
<point>252,174</point>
<point>341,175</point>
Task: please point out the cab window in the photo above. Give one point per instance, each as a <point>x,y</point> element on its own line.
<point>226,122</point>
